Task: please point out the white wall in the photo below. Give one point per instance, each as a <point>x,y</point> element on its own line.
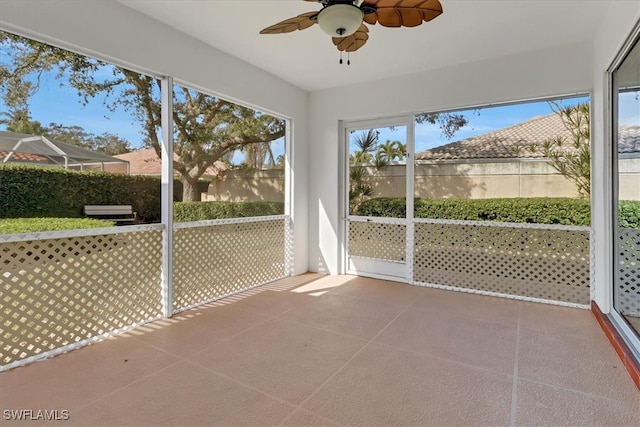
<point>112,32</point>
<point>558,71</point>
<point>614,30</point>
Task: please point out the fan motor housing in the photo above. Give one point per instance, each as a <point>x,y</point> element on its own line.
<point>341,19</point>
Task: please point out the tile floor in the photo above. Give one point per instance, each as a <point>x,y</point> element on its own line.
<point>319,350</point>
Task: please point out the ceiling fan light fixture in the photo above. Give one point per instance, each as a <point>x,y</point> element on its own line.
<point>340,20</point>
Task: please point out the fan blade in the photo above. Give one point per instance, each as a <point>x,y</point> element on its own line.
<point>353,42</point>
<point>299,22</point>
<point>402,13</point>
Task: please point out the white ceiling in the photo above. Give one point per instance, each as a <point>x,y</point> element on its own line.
<point>467,31</point>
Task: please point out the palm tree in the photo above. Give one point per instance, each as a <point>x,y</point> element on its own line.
<point>368,153</point>
<point>258,154</point>
<point>360,158</point>
<point>391,150</point>
<point>19,120</point>
<point>367,143</point>
<point>401,149</point>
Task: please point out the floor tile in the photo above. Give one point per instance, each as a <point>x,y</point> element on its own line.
<point>470,305</point>
<point>544,405</point>
<point>188,335</point>
<point>303,418</point>
<point>573,362</point>
<point>440,358</point>
<point>269,303</point>
<point>380,290</point>
<point>73,379</point>
<point>360,317</point>
<point>384,386</point>
<point>476,342</point>
<point>556,319</point>
<point>184,395</point>
<point>282,358</point>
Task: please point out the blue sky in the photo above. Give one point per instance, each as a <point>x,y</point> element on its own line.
<point>55,103</point>
<point>485,120</point>
<point>60,104</point>
<point>488,119</point>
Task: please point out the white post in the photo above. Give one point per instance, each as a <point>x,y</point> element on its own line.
<point>409,197</point>
<point>167,195</point>
<point>289,211</point>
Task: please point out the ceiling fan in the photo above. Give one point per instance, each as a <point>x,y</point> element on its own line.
<point>344,20</point>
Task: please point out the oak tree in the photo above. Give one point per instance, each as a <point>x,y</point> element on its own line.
<point>205,127</point>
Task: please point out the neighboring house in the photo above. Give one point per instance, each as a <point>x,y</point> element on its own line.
<point>501,163</point>
<point>147,162</point>
<point>510,143</point>
<point>43,151</point>
<point>629,141</point>
<point>228,185</point>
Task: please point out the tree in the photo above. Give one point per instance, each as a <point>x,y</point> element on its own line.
<point>449,122</point>
<point>206,127</point>
<point>392,150</point>
<point>74,135</point>
<point>367,154</point>
<point>111,144</point>
<point>571,156</point>
<point>19,121</point>
<point>258,155</point>
<point>370,153</point>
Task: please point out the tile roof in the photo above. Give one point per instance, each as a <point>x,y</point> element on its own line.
<point>628,139</point>
<point>147,162</point>
<point>512,142</point>
<point>24,157</point>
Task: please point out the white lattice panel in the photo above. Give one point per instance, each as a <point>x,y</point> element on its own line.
<point>551,264</point>
<point>56,292</point>
<point>628,277</point>
<point>212,261</point>
<point>383,241</point>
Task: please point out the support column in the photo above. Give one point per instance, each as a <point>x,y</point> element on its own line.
<point>167,195</point>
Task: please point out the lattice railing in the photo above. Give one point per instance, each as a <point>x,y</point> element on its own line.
<point>59,289</point>
<point>213,259</point>
<point>628,277</point>
<point>384,241</point>
<point>545,262</point>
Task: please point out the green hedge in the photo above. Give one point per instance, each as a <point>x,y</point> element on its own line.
<point>629,214</point>
<point>35,192</point>
<point>564,211</point>
<point>199,211</point>
<point>27,191</point>
<point>523,210</point>
<point>32,225</point>
<point>183,212</point>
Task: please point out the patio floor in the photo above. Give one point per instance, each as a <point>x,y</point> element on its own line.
<point>340,350</point>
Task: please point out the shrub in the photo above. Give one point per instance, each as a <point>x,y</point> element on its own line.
<point>199,211</point>
<point>523,210</point>
<point>32,225</point>
<point>390,207</point>
<point>28,191</point>
<point>629,214</point>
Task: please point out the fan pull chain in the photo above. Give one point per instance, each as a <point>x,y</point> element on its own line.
<point>340,57</point>
<point>348,58</point>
